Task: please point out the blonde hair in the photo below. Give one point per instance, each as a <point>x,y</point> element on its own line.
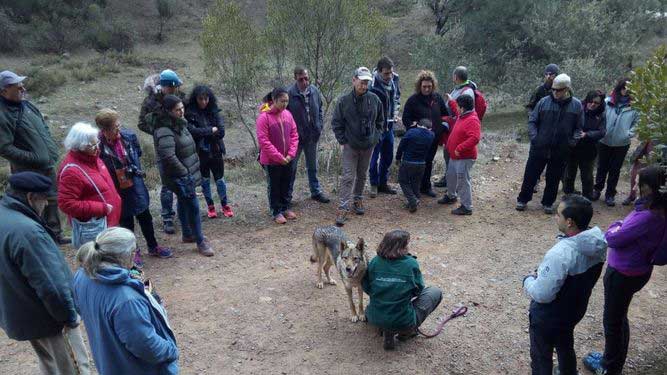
<point>105,118</point>
<point>80,136</point>
<point>113,246</point>
<point>425,75</point>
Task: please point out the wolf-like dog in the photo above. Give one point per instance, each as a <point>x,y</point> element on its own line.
<point>331,246</point>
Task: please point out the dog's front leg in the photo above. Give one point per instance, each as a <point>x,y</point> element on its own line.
<point>360,310</point>
<point>355,318</point>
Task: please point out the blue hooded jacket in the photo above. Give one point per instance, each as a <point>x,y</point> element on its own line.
<point>128,330</point>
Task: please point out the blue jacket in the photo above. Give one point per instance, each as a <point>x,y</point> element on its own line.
<point>621,121</point>
<point>553,124</point>
<point>309,129</point>
<point>128,330</point>
<point>415,145</point>
<point>135,199</point>
<point>390,98</point>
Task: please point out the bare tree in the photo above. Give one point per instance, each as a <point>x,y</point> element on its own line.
<point>442,10</point>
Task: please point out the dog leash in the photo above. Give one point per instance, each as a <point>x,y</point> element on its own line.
<point>455,314</point>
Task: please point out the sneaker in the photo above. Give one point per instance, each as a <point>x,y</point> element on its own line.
<point>593,362</point>
<point>610,201</point>
<point>290,215</point>
<point>168,227</point>
<point>205,248</point>
<point>629,200</point>
<point>549,210</point>
<point>461,211</point>
<point>341,217</point>
<point>429,192</point>
<point>320,198</point>
<point>137,260</point>
<point>160,252</point>
<point>227,211</point>
<point>386,189</point>
<point>358,208</point>
<point>442,182</point>
<point>374,191</point>
<point>212,214</point>
<point>521,206</point>
<point>412,208</point>
<point>279,219</point>
<point>447,200</point>
<point>595,195</point>
<point>389,342</point>
<point>188,239</point>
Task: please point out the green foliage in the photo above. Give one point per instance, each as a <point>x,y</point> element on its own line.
<point>165,10</point>
<point>41,81</point>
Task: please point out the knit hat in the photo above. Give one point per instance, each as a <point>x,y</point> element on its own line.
<point>30,182</point>
<point>562,81</point>
<point>552,69</point>
<point>169,78</point>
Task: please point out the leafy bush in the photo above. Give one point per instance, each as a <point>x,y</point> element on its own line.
<point>8,27</point>
<point>42,82</point>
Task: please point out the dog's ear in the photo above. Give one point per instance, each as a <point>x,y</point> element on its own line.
<point>361,245</point>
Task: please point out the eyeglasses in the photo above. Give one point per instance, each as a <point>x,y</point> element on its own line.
<point>94,145</point>
<point>303,79</point>
<point>559,90</point>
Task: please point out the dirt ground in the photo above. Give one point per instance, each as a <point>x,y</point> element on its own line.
<point>254,308</point>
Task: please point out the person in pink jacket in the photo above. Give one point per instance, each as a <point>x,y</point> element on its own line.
<point>278,141</point>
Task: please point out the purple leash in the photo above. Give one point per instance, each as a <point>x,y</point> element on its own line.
<point>455,314</point>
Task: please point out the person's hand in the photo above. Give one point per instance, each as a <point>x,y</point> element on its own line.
<point>285,161</point>
<point>214,130</point>
<point>457,153</point>
<point>109,208</point>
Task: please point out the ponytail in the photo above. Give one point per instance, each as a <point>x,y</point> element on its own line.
<point>112,247</point>
<point>89,258</point>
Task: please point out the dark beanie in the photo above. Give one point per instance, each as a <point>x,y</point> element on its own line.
<point>30,182</point>
<point>552,69</point>
<point>170,101</point>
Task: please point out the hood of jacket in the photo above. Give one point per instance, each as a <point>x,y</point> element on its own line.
<point>116,275</point>
<point>590,243</point>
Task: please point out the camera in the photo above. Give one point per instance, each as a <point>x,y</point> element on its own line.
<point>134,171</point>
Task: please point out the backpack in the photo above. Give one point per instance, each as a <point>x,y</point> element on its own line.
<point>480,104</point>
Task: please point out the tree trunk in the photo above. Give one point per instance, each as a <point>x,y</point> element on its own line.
<point>239,106</point>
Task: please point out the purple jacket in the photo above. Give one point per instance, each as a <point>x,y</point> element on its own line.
<point>634,241</point>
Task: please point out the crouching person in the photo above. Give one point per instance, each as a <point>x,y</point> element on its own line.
<point>128,330</point>
<point>399,302</point>
<point>562,286</point>
<point>411,158</point>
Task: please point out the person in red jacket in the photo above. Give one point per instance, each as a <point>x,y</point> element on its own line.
<point>85,188</point>
<point>462,149</point>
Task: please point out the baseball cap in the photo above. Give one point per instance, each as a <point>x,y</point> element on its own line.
<point>8,78</point>
<point>562,81</point>
<point>363,74</point>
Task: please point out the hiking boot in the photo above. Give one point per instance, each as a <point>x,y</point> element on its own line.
<point>386,189</point>
<point>428,192</point>
<point>521,206</point>
<point>595,195</point>
<point>290,215</point>
<point>205,248</point>
<point>549,210</point>
<point>389,342</point>
<point>406,335</point>
<point>593,362</point>
<point>461,211</point>
<point>227,211</point>
<point>358,208</point>
<point>374,191</point>
<point>412,208</point>
<point>137,260</point>
<point>610,201</point>
<point>160,252</point>
<point>447,200</point>
<point>320,197</point>
<point>279,219</point>
<point>168,227</point>
<point>442,182</point>
<point>212,214</point>
<point>341,217</point>
<point>629,200</point>
<point>188,239</point>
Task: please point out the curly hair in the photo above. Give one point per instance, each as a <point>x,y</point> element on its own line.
<point>425,75</point>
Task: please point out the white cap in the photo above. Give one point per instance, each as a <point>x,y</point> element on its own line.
<point>363,74</point>
<point>562,81</point>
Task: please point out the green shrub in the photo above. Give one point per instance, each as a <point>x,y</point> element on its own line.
<point>42,82</point>
<point>86,73</point>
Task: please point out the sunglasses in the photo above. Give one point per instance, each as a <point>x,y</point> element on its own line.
<point>559,90</point>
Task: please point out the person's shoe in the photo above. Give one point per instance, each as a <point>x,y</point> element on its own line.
<point>358,208</point>
<point>386,189</point>
<point>205,248</point>
<point>189,239</point>
<point>160,252</point>
<point>374,191</point>
<point>168,227</point>
<point>521,206</point>
<point>227,211</point>
<point>320,198</point>
<point>629,200</point>
<point>429,192</point>
<point>610,201</point>
<point>406,335</point>
<point>279,219</point>
<point>549,210</point>
<point>461,211</point>
<point>442,182</point>
<point>212,214</point>
<point>595,195</point>
<point>137,260</point>
<point>290,215</point>
<point>412,208</point>
<point>447,200</point>
<point>341,217</point>
<point>389,342</point>
<point>63,240</point>
<point>593,362</point>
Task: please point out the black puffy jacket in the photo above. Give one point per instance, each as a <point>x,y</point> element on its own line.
<point>553,124</point>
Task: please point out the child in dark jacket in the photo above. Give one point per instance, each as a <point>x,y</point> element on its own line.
<point>399,302</point>
<point>411,157</point>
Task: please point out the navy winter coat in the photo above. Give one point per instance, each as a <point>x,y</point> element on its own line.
<point>553,124</point>
<point>309,129</point>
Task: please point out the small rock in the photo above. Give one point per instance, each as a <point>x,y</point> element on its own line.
<point>496,158</point>
<point>265,299</point>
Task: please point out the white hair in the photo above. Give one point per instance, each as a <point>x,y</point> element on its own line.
<point>80,135</point>
<point>112,247</point>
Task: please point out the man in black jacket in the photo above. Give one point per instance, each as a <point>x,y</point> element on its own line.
<point>550,72</point>
<point>36,300</point>
<point>554,125</point>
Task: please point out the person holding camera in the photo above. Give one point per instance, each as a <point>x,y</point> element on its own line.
<point>120,151</point>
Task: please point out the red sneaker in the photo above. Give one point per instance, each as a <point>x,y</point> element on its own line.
<point>211,212</point>
<point>227,211</point>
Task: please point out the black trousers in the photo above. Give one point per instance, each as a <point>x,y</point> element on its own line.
<point>585,165</point>
<point>610,162</point>
<point>555,163</point>
<point>145,220</point>
<point>279,180</point>
<point>543,340</point>
<point>618,292</point>
<point>428,168</point>
<point>410,178</point>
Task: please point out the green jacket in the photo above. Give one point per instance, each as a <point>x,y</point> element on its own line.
<point>28,145</point>
<point>358,121</point>
<point>391,285</point>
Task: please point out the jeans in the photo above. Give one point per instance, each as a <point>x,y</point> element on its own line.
<point>167,203</point>
<point>188,214</point>
<point>63,353</point>
<point>618,292</point>
<point>383,155</point>
<point>445,155</point>
<point>309,150</point>
<point>355,164</point>
<point>216,167</point>
<point>537,161</point>
<point>585,167</point>
<point>410,177</point>
<point>459,181</point>
<point>610,162</point>
<point>543,340</point>
<point>428,168</point>
<point>279,178</point>
<point>426,302</point>
<point>145,220</point>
